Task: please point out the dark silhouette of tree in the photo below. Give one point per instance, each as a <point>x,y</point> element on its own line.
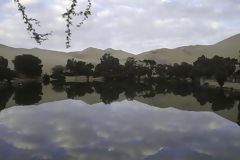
<point>28,65</point>
<point>6,74</point>
<point>162,70</point>
<point>109,68</point>
<point>79,68</point>
<point>109,91</point>
<point>68,16</point>
<point>3,62</point>
<point>183,70</point>
<point>218,67</point>
<point>29,94</point>
<point>5,95</point>
<point>202,67</point>
<point>130,68</point>
<point>216,96</point>
<point>89,70</point>
<point>58,73</point>
<point>181,88</point>
<point>222,68</point>
<point>78,89</point>
<point>140,71</point>
<point>149,67</point>
<point>46,79</point>
<point>58,85</point>
<point>238,114</point>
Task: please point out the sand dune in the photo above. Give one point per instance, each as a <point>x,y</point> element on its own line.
<point>51,58</point>
<point>227,48</point>
<point>93,55</point>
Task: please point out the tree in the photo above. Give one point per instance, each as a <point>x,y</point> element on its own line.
<point>222,68</point>
<point>140,71</point>
<point>29,94</point>
<point>89,70</point>
<point>5,96</point>
<point>202,67</point>
<point>3,62</point>
<point>71,66</point>
<point>183,70</point>
<point>150,67</point>
<point>46,79</point>
<point>28,65</point>
<point>218,67</point>
<point>130,68</point>
<point>5,73</point>
<point>75,68</point>
<point>109,68</point>
<point>68,16</point>
<point>58,72</point>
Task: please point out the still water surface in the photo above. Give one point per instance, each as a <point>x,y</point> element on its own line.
<point>118,122</point>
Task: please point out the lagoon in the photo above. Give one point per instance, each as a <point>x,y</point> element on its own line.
<point>119,121</point>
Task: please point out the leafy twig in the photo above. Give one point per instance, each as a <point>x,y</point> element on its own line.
<point>70,13</point>
<point>39,38</point>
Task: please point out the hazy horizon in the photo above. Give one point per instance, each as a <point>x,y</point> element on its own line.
<point>72,51</point>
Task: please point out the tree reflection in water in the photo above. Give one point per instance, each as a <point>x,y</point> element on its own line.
<point>28,94</point>
<point>110,91</point>
<point>5,95</point>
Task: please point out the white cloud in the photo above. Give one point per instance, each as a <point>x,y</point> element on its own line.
<point>131,25</point>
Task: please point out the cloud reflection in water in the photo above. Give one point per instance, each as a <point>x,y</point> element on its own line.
<point>126,130</point>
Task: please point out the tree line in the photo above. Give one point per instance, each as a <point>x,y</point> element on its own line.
<point>217,68</point>
<point>110,68</point>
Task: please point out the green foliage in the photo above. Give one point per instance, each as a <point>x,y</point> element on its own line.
<point>3,62</point>
<point>46,79</point>
<point>141,71</point>
<point>109,68</point>
<point>130,68</point>
<point>30,22</point>
<point>149,67</point>
<point>75,68</point>
<point>30,93</point>
<point>5,73</point>
<point>218,67</point>
<point>28,65</point>
<point>68,16</point>
<point>58,72</point>
<point>184,70</point>
<point>202,67</point>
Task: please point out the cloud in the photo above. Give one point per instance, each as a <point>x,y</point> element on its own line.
<point>116,131</point>
<point>131,25</point>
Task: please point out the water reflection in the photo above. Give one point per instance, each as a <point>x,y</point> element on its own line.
<point>28,94</point>
<point>126,130</point>
<point>78,90</point>
<point>181,95</point>
<point>5,95</point>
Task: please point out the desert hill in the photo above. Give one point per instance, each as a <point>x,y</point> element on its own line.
<point>52,58</point>
<point>227,48</point>
<point>93,55</point>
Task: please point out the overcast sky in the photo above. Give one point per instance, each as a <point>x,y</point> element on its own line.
<point>131,25</point>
